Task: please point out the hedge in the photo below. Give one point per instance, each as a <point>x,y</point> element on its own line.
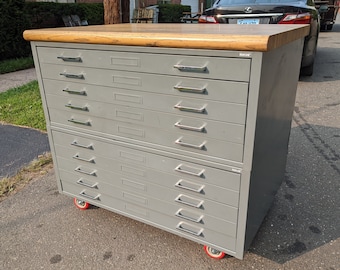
<point>18,15</point>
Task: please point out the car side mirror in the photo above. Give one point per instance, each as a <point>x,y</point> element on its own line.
<point>323,8</point>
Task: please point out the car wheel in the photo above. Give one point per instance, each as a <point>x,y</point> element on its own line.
<point>308,70</point>
<point>329,27</point>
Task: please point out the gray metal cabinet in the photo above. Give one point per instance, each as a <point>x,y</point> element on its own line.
<point>192,141</point>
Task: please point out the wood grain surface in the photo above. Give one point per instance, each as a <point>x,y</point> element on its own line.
<point>197,36</point>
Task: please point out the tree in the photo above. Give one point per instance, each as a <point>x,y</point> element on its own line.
<point>111,11</point>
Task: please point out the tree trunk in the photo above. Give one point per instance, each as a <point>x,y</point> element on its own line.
<point>111,11</point>
<point>125,11</point>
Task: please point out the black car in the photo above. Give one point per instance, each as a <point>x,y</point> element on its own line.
<point>271,12</point>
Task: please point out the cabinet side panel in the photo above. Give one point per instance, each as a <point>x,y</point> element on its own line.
<point>278,84</point>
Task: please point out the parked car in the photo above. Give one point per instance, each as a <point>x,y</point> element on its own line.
<point>328,10</point>
<point>271,12</point>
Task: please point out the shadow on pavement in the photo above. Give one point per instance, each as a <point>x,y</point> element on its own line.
<point>305,213</point>
<point>19,146</point>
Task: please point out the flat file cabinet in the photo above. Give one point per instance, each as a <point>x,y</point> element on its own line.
<point>186,134</point>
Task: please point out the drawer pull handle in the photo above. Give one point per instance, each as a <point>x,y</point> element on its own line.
<point>180,214</point>
<point>85,108</point>
<point>75,92</point>
<point>75,143</point>
<point>181,228</point>
<point>85,123</point>
<point>190,89</point>
<point>70,59</point>
<point>189,201</point>
<point>90,160</point>
<point>180,169</point>
<point>73,76</point>
<point>199,147</point>
<point>197,129</point>
<point>191,68</point>
<point>181,184</point>
<point>79,169</point>
<point>190,109</point>
<point>89,196</point>
<point>81,182</point>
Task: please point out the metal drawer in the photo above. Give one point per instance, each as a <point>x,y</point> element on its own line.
<point>171,122</point>
<point>194,108</point>
<point>91,175</point>
<point>173,141</point>
<point>166,216</point>
<point>235,69</point>
<point>126,193</point>
<point>228,91</point>
<point>180,169</point>
<point>129,173</point>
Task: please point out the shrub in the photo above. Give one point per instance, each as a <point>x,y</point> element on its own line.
<point>13,22</point>
<point>171,13</point>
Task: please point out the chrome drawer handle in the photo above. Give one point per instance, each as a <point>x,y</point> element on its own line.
<point>197,129</point>
<point>181,228</point>
<point>180,169</point>
<point>89,196</point>
<point>82,183</point>
<point>90,160</point>
<point>197,220</point>
<point>85,108</point>
<point>70,59</point>
<point>190,89</point>
<point>191,68</point>
<point>85,123</point>
<point>73,76</point>
<point>189,201</point>
<point>199,147</point>
<point>190,109</point>
<point>75,143</point>
<point>181,184</point>
<point>75,92</point>
<point>79,169</point>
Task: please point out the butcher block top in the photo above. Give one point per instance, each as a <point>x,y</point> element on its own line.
<point>196,36</point>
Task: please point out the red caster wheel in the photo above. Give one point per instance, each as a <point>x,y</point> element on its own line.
<point>214,253</point>
<point>82,205</point>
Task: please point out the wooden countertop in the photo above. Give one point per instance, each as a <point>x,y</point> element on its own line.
<point>197,36</point>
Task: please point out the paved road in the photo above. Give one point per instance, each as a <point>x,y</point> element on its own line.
<point>19,146</point>
<point>40,229</point>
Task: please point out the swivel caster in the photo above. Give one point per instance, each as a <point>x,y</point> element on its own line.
<point>82,205</point>
<point>214,253</point>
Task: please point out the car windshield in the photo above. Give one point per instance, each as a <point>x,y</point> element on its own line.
<point>240,2</point>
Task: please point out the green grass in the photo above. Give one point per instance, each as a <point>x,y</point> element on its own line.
<point>12,65</point>
<point>22,106</point>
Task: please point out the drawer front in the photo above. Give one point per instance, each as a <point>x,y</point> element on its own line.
<point>139,177</point>
<point>180,169</point>
<point>91,175</point>
<point>171,122</point>
<point>214,110</point>
<point>173,141</point>
<point>128,194</point>
<point>180,65</point>
<point>228,91</point>
<point>170,223</point>
<point>185,107</point>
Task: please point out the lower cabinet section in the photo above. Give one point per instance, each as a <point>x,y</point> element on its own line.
<point>172,218</point>
<point>192,200</point>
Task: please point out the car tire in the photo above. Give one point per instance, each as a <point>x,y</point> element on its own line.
<point>329,27</point>
<point>308,70</point>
